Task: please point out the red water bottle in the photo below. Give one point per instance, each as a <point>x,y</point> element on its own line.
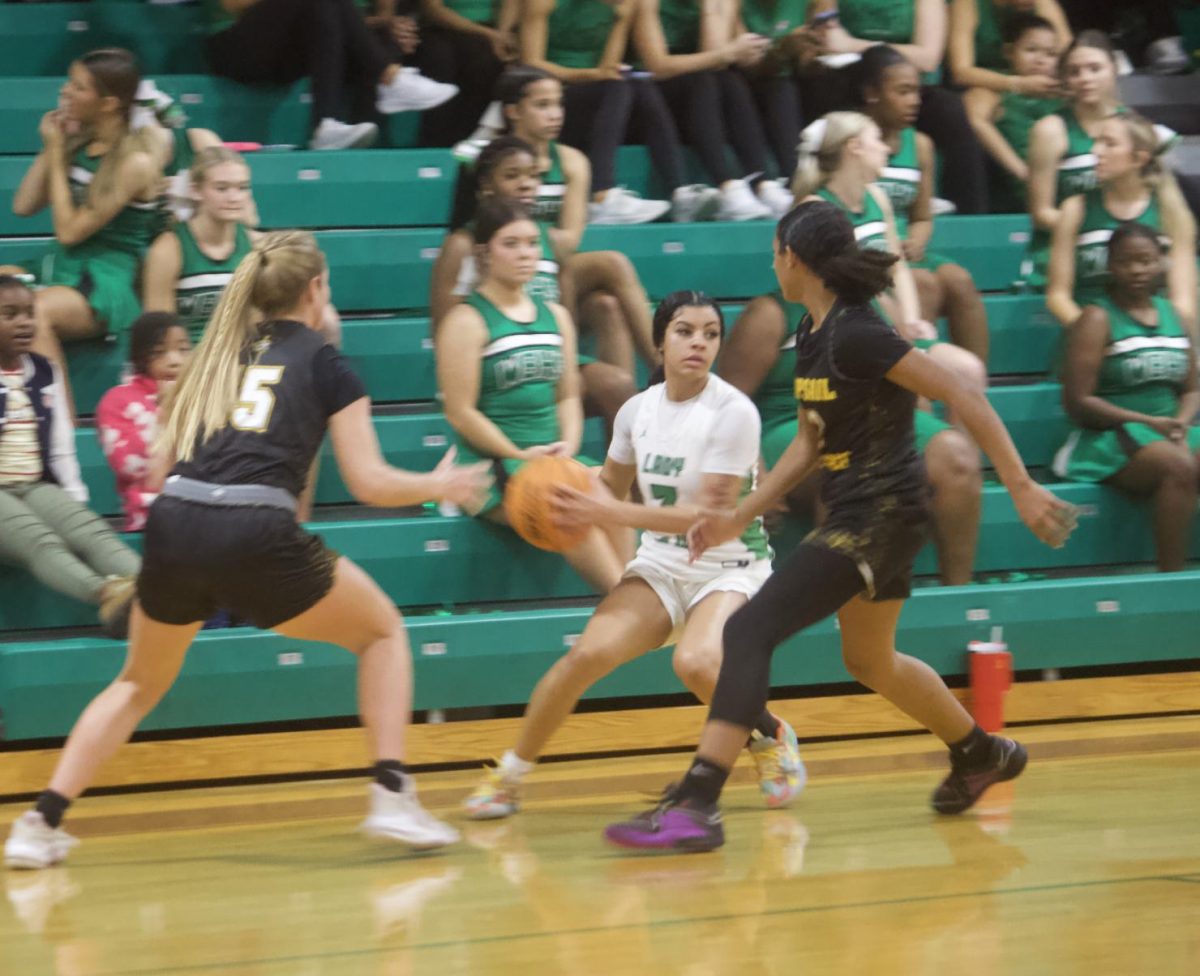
<point>991,677</point>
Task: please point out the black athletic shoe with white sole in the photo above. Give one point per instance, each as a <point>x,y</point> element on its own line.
<point>964,785</point>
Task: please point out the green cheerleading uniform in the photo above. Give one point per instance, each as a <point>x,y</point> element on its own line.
<point>681,25</point>
<point>519,372</point>
<point>901,181</point>
<point>774,18</point>
<point>202,280</point>
<point>1091,244</point>
<point>476,11</point>
<point>547,208</point>
<point>1076,174</point>
<point>887,21</point>
<point>989,36</point>
<point>1017,116</point>
<point>870,230</point>
<point>1144,370</point>
<point>105,266</point>
<point>775,397</point>
<point>577,32</point>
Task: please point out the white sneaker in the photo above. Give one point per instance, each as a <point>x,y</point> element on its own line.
<point>738,202</point>
<point>491,125</point>
<point>1167,57</point>
<point>621,206</point>
<point>1124,65</point>
<point>694,202</point>
<point>777,198</point>
<point>33,844</point>
<point>400,816</point>
<point>332,134</point>
<point>941,207</point>
<point>411,91</point>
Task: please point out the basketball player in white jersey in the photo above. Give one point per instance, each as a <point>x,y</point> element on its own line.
<point>691,442</point>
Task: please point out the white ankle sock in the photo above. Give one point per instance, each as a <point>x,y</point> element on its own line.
<point>513,768</point>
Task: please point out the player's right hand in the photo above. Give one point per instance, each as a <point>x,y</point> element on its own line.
<point>1045,514</point>
<point>712,529</point>
<point>466,485</point>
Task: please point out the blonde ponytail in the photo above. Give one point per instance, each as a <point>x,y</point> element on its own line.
<point>820,151</point>
<point>268,282</point>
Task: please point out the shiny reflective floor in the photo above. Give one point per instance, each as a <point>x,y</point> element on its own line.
<point>1090,866</point>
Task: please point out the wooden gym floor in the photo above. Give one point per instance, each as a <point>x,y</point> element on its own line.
<point>1089,866</point>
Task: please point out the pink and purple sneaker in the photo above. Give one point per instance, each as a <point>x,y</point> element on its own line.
<point>690,827</point>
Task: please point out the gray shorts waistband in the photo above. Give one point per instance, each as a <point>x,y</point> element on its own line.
<point>233,496</point>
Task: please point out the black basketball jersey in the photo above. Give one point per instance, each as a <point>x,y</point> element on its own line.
<point>865,422</point>
<point>292,384</point>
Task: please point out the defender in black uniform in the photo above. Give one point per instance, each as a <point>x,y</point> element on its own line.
<point>246,422</point>
<point>856,382</point>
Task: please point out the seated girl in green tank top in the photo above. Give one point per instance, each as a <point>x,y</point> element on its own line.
<point>1133,187</point>
<point>506,170</point>
<point>188,266</point>
<point>101,182</point>
<point>1130,389</point>
<point>507,374</point>
<point>1003,118</point>
<point>759,358</point>
<point>891,96</point>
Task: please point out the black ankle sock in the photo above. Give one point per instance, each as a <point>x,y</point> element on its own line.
<point>975,749</point>
<point>52,806</point>
<point>390,773</point>
<point>703,782</point>
<point>767,724</point>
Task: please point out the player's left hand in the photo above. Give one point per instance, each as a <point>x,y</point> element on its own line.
<point>573,507</point>
<point>1045,514</point>
<point>712,529</point>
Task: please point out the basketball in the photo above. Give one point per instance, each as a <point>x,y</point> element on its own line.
<point>527,502</point>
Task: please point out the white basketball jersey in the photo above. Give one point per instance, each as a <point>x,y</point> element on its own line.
<point>675,444</point>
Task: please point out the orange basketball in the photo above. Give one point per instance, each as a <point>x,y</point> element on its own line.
<point>527,501</point>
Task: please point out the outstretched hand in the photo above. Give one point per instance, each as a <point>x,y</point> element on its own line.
<point>712,529</point>
<point>466,485</point>
<point>1045,514</point>
<point>573,508</point>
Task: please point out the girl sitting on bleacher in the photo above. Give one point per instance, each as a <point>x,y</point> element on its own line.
<point>1004,118</point>
<point>188,266</point>
<point>101,181</point>
<point>127,415</point>
<point>759,358</point>
<point>507,171</point>
<point>692,48</point>
<point>891,95</point>
<point>45,527</point>
<point>508,374</point>
<point>979,55</point>
<point>583,43</point>
<point>1130,387</point>
<point>1132,186</point>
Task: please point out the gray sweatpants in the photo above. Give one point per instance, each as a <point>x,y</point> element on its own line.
<point>63,544</point>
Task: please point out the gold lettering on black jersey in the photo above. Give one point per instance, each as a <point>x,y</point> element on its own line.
<point>814,389</point>
<point>836,462</point>
<point>257,400</point>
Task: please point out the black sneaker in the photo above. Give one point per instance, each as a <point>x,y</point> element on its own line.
<point>959,791</point>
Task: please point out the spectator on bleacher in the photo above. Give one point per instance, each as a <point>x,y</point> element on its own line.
<point>891,96</point>
<point>127,415</point>
<point>759,359</point>
<point>1133,186</point>
<point>917,29</point>
<point>582,43</point>
<point>842,156</point>
<point>690,48</point>
<point>275,42</point>
<point>508,375</point>
<point>466,43</point>
<point>980,54</point>
<point>1130,387</point>
<point>507,171</point>
<point>1149,29</point>
<point>101,181</point>
<point>1004,118</point>
<point>773,80</point>
<point>45,527</point>
<point>188,266</point>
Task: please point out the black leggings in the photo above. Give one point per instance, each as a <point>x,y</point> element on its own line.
<point>714,110</point>
<point>466,60</point>
<point>596,118</point>
<point>778,100</point>
<point>812,583</point>
<point>277,42</point>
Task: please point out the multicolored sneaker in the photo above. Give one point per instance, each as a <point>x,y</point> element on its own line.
<point>965,785</point>
<point>781,772</point>
<point>493,799</point>
<point>671,826</point>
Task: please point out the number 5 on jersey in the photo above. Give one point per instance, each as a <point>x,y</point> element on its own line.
<point>257,400</point>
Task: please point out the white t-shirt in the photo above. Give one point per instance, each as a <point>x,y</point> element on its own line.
<point>674,444</point>
<point>20,452</point>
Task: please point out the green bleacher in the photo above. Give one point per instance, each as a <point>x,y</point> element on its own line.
<point>477,599</point>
